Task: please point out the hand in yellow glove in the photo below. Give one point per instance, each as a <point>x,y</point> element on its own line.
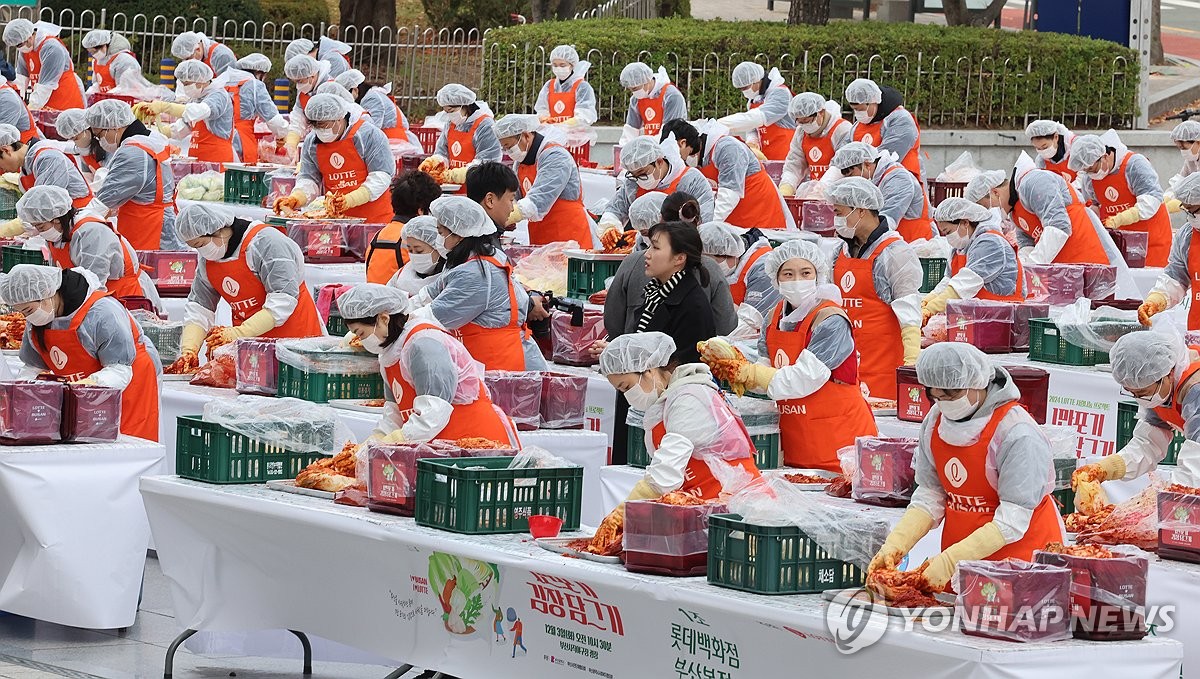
<point>642,490</point>
<point>1173,205</point>
<point>455,175</point>
<point>757,153</point>
<point>1085,481</point>
<point>87,381</point>
<point>787,190</point>
<point>984,542</point>
<point>257,325</point>
<point>914,525</point>
<point>911,337</point>
<point>754,376</point>
<point>11,228</point>
<point>191,339</point>
<point>357,197</point>
<point>1125,218</point>
<point>718,349</point>
<point>572,122</point>
<point>291,142</point>
<point>186,364</point>
<point>515,216</point>
<point>294,201</point>
<point>1155,303</point>
<point>935,303</point>
<point>13,178</point>
<point>396,436</point>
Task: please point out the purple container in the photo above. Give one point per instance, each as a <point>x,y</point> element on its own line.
<point>984,323</point>
<point>1099,281</point>
<point>1054,283</point>
<point>31,412</point>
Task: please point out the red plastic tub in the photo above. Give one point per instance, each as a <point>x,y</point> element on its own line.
<point>544,526</point>
<point>1034,384</point>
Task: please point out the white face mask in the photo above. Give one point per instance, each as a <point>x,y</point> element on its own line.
<point>41,316</point>
<point>959,409</point>
<point>842,228</point>
<point>25,49</point>
<point>372,343</point>
<point>797,292</point>
<point>811,128</point>
<point>649,183</point>
<point>457,117</point>
<point>515,153</point>
<point>212,251</point>
<point>326,135</point>
<point>1097,175</point>
<point>997,213</point>
<point>108,146</point>
<point>693,161</point>
<point>1048,152</point>
<point>193,92</point>
<point>304,87</point>
<point>751,93</point>
<point>640,94</point>
<point>640,399</point>
<point>421,262</point>
<point>1153,401</point>
<point>99,54</point>
<point>1189,155</point>
<point>957,240</point>
<point>861,116</point>
<point>439,244</point>
<point>52,235</point>
<point>83,143</point>
<point>561,72</point>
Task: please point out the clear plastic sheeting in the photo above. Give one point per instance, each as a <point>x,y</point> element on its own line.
<point>538,458</point>
<point>166,336</point>
<point>755,412</point>
<point>328,355</point>
<point>1097,329</point>
<point>653,527</point>
<point>289,423</point>
<point>963,169</point>
<point>1133,522</point>
<point>545,269</point>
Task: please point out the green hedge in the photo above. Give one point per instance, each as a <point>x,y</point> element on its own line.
<point>951,77</point>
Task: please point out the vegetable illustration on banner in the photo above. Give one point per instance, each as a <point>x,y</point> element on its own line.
<point>465,588</point>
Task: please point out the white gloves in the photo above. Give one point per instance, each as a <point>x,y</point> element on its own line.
<point>745,121</point>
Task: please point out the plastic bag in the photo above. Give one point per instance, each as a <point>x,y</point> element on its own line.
<point>986,324</point>
<point>935,330</point>
<point>545,269</point>
<point>963,169</point>
<point>389,473</point>
<point>811,191</point>
<point>518,394</point>
<point>1013,600</point>
<point>933,248</point>
<point>329,355</point>
<point>571,343</point>
<point>538,458</point>
<point>1108,594</point>
<point>166,336</point>
<point>221,369</point>
<point>1063,444</point>
<point>208,186</point>
<point>1054,283</point>
<point>653,527</point>
<point>132,83</point>
<point>1133,522</point>
<point>755,412</point>
<point>91,413</point>
<point>31,412</point>
<point>564,400</point>
<point>885,474</point>
<point>288,423</point>
<point>1097,329</point>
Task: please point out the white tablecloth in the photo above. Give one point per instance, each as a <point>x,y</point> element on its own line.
<point>74,533</point>
<point>243,558</point>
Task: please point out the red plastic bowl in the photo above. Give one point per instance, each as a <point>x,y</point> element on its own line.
<point>544,526</point>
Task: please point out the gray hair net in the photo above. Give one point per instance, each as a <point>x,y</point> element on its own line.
<point>462,216</point>
<point>43,203</point>
<point>854,153</point>
<point>71,123</point>
<point>96,37</point>
<point>640,152</point>
<point>197,220</point>
<point>422,227</point>
<point>336,89</point>
<point>1085,151</point>
<point>747,73</point>
<point>954,365</point>
<point>193,71</point>
<point>298,46</point>
<point>636,75</point>
<point>1188,130</point>
<point>1140,359</point>
<point>456,95</point>
<point>367,300</point>
<point>301,66</point>
<point>646,210</point>
<point>863,91</point>
<point>9,135</point>
<point>185,44</point>
<point>351,78</point>
<point>29,283</point>
<point>982,183</point>
<point>325,106</point>
<point>796,249</point>
<point>255,61</point>
<point>565,52</point>
<point>855,192</point>
<point>722,239</point>
<point>17,31</point>
<point>806,104</point>
<point>1045,128</point>
<point>955,209</point>
<point>515,123</point>
<point>1188,189</point>
<point>636,353</point>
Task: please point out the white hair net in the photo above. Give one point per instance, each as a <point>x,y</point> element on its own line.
<point>185,44</point>
<point>955,208</point>
<point>109,114</point>
<point>351,78</point>
<point>335,89</point>
<point>71,123</point>
<point>1086,150</point>
<point>1140,359</point>
<point>636,75</point>
<point>462,216</point>
<point>96,37</point>
<point>636,353</point>
<point>17,31</point>
<point>43,203</point>
<point>255,61</point>
<point>854,153</point>
<point>1188,130</point>
<point>796,249</point>
<point>298,46</point>
<point>301,66</point>
<point>641,152</point>
<point>863,91</point>
<point>954,365</point>
<point>806,104</point>
<point>855,192</point>
<point>367,300</point>
<point>1045,128</point>
<point>193,71</point>
<point>29,283</point>
<point>565,52</point>
<point>456,95</point>
<point>325,106</point>
<point>1188,189</point>
<point>646,210</point>
<point>196,220</point>
<point>722,239</point>
<point>9,135</point>
<point>747,73</point>
<point>423,228</point>
<point>982,183</point>
<point>515,123</point>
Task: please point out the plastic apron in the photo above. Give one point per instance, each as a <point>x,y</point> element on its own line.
<point>812,429</point>
<point>1060,168</point>
<point>698,479</point>
<point>208,147</point>
<point>142,224</point>
<point>461,145</point>
<point>496,348</point>
<point>1083,246</point>
<point>818,151</point>
<point>972,500</point>
<point>760,206</point>
<point>243,127</point>
<point>738,288</point>
<point>1114,197</point>
<point>566,220</point>
<point>68,93</point>
<point>65,356</point>
<point>775,139</point>
<point>32,132</point>
<point>874,323</point>
<point>104,72</point>
<point>669,189</point>
<point>128,285</point>
<point>343,170</point>
<point>382,260</point>
<point>652,109</point>
<point>959,260</point>
<point>397,132</point>
<point>913,229</point>
<point>28,181</point>
<point>240,287</point>
<point>562,104</point>
<point>872,133</point>
<point>1173,414</point>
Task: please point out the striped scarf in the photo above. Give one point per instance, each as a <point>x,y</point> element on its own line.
<point>655,293</point>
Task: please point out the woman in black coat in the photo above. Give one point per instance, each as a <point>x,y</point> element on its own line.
<point>675,300</point>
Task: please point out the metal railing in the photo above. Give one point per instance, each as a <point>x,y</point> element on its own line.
<point>629,9</point>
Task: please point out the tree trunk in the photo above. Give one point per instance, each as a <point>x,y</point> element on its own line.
<point>813,12</point>
<point>1156,46</point>
<point>957,13</point>
<point>363,13</point>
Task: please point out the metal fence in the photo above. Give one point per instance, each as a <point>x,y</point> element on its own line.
<point>629,9</point>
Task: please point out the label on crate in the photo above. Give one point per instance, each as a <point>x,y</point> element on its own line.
<point>172,271</point>
<point>324,243</point>
<point>253,370</point>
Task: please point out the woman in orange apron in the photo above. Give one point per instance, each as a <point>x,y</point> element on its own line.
<point>567,97</point>
<point>880,120</point>
<point>984,265</point>
<point>308,74</point>
<point>14,110</point>
<point>447,399</point>
<point>45,65</point>
<point>983,466</point>
<point>469,138</point>
<point>753,291</point>
<point>905,202</point>
<point>653,101</point>
<point>552,194</point>
<point>81,334</point>
<point>206,120</point>
<point>111,59</point>
<point>1052,142</point>
<point>256,269</point>
<point>1181,279</point>
<point>765,125</point>
<point>821,131</point>
<point>72,127</point>
<point>40,163</point>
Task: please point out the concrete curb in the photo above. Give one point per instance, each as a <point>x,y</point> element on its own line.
<point>1176,96</point>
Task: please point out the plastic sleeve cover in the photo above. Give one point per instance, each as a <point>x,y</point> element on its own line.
<point>803,378</point>
<point>1146,449</point>
<point>428,418</point>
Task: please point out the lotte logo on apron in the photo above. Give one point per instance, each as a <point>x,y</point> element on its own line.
<point>868,139</point>
<point>336,160</point>
<point>847,281</point>
<point>526,185</point>
<point>781,359</point>
<point>814,154</point>
<point>58,357</point>
<point>397,391</point>
<point>456,148</point>
<point>650,114</point>
<point>231,287</point>
<point>559,107</point>
<point>956,472</point>
<point>1111,195</point>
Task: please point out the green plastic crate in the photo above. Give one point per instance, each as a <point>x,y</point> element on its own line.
<point>1065,497</point>
<point>1126,421</point>
<point>454,494</point>
<point>246,187</point>
<point>8,203</point>
<point>336,325</point>
<point>12,255</point>
<point>766,449</point>
<point>772,559</point>
<point>321,387</point>
<point>587,272</point>
<point>934,269</point>
<point>206,451</point>
<point>165,338</point>
<point>635,445</point>
<point>1046,344</point>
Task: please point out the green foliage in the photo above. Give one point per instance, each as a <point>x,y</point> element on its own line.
<point>298,12</point>
<point>234,10</point>
<point>481,14</point>
<point>950,76</point>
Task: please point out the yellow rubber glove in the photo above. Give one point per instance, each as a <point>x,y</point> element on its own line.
<point>757,153</point>
<point>787,190</point>
<point>294,201</point>
<point>935,303</point>
<point>515,216</point>
<point>984,542</point>
<point>1173,205</point>
<point>571,122</point>
<point>396,436</point>
<point>914,525</point>
<point>455,175</point>
<point>1085,481</point>
<point>292,140</point>
<point>642,490</point>
<point>717,349</point>
<point>13,178</point>
<point>259,324</point>
<point>911,337</point>
<point>1155,303</point>
<point>13,227</point>
<point>755,376</point>
<point>86,380</point>
<point>359,196</point>
<point>1130,216</point>
<point>193,336</point>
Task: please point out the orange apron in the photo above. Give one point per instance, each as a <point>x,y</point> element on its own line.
<point>461,145</point>
<point>32,132</point>
<point>344,170</point>
<point>104,72</point>
<point>959,260</point>
<point>1060,168</point>
<point>128,285</point>
<point>143,224</point>
<point>814,428</point>
<point>28,181</point>
<point>1173,414</point>
<point>397,132</point>
<point>651,110</point>
<point>477,418</point>
<point>237,285</point>
<point>872,133</point>
<point>698,479</point>
<point>972,500</point>
<point>381,268</point>
<point>775,139</point>
<point>566,220</point>
<point>1193,267</point>
<point>874,323</point>
<point>669,189</point>
<point>1114,196</point>
<point>760,206</point>
<point>818,151</point>
<point>1082,247</point>
<point>918,228</point>
<point>68,93</point>
<point>243,127</point>
<point>562,104</point>
<point>65,356</point>
<point>208,147</point>
<point>208,55</point>
<point>496,348</point>
<point>738,288</point>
